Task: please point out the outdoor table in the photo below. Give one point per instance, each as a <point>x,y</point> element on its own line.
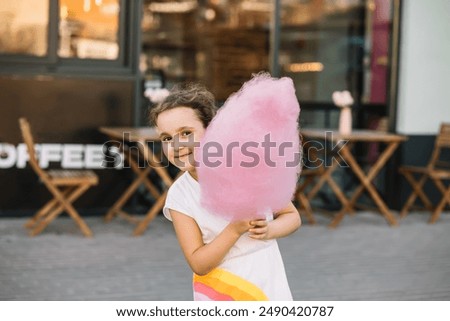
<point>142,136</point>
<point>346,143</point>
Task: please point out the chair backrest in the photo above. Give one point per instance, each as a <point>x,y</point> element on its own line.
<point>29,142</point>
<point>442,141</point>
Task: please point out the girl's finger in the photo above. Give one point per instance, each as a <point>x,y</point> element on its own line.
<point>257,236</point>
<point>261,230</point>
<point>259,223</point>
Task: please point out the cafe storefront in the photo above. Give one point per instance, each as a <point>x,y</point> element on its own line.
<point>72,66</point>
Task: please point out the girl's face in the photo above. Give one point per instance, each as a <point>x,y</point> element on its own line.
<point>180,130</point>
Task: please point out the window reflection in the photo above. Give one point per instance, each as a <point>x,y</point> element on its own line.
<point>218,42</point>
<point>329,45</point>
<point>321,47</point>
<point>325,45</point>
<point>23,27</point>
<point>88,29</point>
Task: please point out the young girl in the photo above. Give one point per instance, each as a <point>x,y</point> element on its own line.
<point>230,260</point>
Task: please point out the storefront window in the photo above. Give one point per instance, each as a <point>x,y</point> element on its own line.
<point>325,45</point>
<point>329,45</point>
<point>88,29</point>
<point>218,42</point>
<point>378,30</point>
<point>24,27</point>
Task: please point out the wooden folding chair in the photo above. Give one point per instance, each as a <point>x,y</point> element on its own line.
<point>436,171</point>
<point>65,185</point>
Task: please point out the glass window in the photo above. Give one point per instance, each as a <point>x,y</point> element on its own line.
<point>378,30</point>
<point>218,42</point>
<point>89,29</point>
<point>329,45</point>
<point>23,27</point>
<point>325,45</point>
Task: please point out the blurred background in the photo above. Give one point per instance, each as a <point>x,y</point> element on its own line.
<point>71,66</point>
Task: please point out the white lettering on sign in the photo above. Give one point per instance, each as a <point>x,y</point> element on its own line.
<point>68,155</point>
<point>49,153</point>
<point>94,156</point>
<point>8,155</point>
<point>22,155</point>
<point>72,156</point>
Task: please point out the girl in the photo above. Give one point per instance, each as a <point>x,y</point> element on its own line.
<point>230,260</point>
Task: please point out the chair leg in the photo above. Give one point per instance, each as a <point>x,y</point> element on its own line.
<point>41,225</point>
<point>74,214</point>
<point>437,212</point>
<point>47,208</point>
<point>417,191</point>
<point>65,204</point>
<point>441,187</point>
<point>41,213</point>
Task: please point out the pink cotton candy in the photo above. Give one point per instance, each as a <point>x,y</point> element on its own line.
<point>250,179</point>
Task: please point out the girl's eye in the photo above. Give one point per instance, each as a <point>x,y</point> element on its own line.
<point>186,133</point>
<point>166,139</point>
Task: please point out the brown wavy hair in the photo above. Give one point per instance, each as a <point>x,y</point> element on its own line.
<point>192,95</point>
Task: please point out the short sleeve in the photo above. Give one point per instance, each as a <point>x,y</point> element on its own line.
<point>176,200</point>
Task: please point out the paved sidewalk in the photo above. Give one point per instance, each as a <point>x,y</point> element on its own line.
<point>363,259</point>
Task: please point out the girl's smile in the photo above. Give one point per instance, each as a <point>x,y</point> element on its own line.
<point>180,130</point>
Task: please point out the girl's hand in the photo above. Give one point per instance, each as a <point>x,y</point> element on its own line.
<point>260,230</point>
<point>240,227</point>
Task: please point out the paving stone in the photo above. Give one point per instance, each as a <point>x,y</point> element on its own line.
<point>363,259</point>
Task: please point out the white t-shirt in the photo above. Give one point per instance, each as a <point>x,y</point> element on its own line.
<point>252,269</point>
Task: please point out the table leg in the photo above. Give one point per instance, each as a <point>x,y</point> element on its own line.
<point>155,163</point>
<point>327,177</point>
<point>323,178</point>
<point>127,194</point>
<point>150,187</point>
<point>366,183</point>
<point>340,194</point>
<point>151,214</point>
